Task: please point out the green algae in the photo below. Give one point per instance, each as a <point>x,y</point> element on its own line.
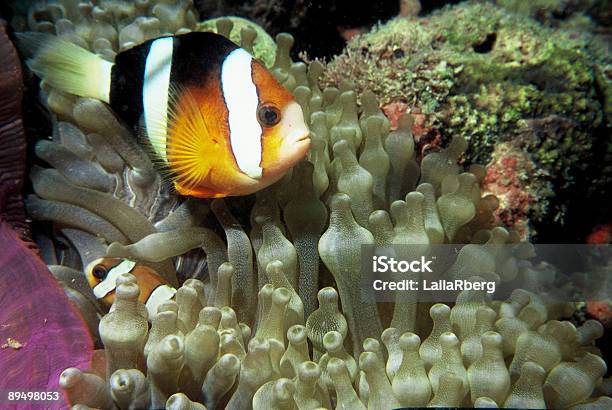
<point>487,74</point>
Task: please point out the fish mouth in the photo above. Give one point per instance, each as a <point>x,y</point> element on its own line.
<point>303,144</point>
<point>305,138</point>
<point>302,134</point>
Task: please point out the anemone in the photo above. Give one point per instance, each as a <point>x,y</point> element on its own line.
<point>262,329</point>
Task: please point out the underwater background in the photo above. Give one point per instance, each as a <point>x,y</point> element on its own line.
<point>476,122</point>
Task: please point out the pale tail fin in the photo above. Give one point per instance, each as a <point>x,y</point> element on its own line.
<point>67,66</point>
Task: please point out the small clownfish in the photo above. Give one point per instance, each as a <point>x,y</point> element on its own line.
<point>217,122</point>
<point>102,273</point>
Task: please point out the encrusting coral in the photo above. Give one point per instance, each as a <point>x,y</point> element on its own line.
<point>251,334</point>
<point>498,79</point>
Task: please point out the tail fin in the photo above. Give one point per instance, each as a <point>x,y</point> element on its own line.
<point>67,66</point>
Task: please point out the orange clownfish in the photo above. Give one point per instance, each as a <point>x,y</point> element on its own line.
<point>215,118</point>
<point>102,273</point>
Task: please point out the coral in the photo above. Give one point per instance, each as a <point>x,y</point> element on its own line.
<point>544,10</point>
<point>478,71</point>
<point>240,337</point>
<point>563,13</point>
<point>509,179</point>
<point>601,311</point>
<point>600,235</point>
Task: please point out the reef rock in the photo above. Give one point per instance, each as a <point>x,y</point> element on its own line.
<point>479,71</point>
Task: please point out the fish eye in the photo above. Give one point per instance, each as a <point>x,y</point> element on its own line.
<point>268,115</point>
<point>99,272</point>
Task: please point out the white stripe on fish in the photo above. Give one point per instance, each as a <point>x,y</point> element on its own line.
<point>109,283</point>
<point>241,99</point>
<point>155,89</point>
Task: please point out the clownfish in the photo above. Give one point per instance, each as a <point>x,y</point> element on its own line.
<point>102,274</point>
<point>216,120</point>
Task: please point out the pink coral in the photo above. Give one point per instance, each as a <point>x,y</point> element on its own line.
<point>506,178</point>
<point>601,311</point>
<point>393,111</point>
<point>425,135</point>
<point>602,234</point>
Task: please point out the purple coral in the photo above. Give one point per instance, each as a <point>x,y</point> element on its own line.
<point>41,333</point>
